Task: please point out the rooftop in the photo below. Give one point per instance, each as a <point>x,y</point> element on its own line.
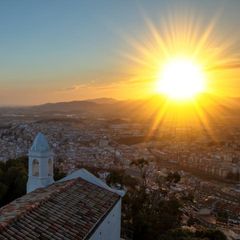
<point>65,210</point>
<point>40,144</point>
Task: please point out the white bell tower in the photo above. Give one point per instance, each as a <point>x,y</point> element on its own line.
<point>40,164</point>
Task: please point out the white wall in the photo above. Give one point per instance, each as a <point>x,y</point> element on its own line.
<point>43,179</point>
<point>110,228</point>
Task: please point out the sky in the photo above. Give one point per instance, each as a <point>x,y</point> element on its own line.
<point>60,50</point>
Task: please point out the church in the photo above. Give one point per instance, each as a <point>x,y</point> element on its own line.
<point>78,206</point>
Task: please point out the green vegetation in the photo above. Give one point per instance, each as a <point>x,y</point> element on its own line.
<point>118,178</point>
<point>13,179</point>
<point>173,177</point>
<point>179,234</point>
<point>147,214</point>
<point>145,211</point>
<point>58,174</point>
<point>233,176</point>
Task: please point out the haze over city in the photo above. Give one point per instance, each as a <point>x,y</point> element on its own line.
<point>119,120</point>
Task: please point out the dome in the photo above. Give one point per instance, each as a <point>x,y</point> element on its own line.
<point>40,144</point>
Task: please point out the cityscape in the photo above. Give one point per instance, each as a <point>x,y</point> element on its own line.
<point>209,168</point>
<point>140,144</point>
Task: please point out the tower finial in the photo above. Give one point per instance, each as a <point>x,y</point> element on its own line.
<point>40,164</point>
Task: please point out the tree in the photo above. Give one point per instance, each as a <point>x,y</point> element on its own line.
<point>115,177</point>
<point>233,176</point>
<point>142,165</point>
<point>149,214</point>
<point>16,179</point>
<point>58,174</point>
<point>3,190</point>
<point>119,177</point>
<point>13,179</point>
<point>211,235</point>
<point>180,234</point>
<point>173,177</point>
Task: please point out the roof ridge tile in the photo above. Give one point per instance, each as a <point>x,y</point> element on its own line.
<point>28,204</point>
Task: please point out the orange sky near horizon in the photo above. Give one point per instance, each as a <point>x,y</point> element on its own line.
<point>127,65</point>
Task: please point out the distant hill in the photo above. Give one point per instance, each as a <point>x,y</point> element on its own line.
<point>66,106</point>
<point>140,110</point>
<point>103,100</point>
<point>94,107</point>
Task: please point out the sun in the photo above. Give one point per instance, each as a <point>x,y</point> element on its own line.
<point>181,79</point>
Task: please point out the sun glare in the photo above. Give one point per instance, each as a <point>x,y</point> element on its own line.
<point>181,79</point>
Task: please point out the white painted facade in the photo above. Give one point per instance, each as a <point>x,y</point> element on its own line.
<point>110,228</point>
<point>40,174</point>
<point>40,164</point>
<point>87,176</point>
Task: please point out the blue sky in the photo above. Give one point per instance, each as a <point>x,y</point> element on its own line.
<point>47,47</point>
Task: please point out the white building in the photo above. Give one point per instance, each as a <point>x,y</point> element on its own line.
<point>40,164</point>
<point>79,206</point>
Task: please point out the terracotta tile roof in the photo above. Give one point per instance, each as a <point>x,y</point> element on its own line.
<point>64,210</point>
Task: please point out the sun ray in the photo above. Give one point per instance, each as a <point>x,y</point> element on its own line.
<point>204,121</point>
<point>160,115</point>
<point>198,44</point>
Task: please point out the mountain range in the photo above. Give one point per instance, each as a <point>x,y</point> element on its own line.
<point>147,107</point>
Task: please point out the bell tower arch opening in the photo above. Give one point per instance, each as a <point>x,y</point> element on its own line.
<point>35,168</point>
<point>40,162</point>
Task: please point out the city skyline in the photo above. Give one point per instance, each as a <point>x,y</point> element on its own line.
<point>120,119</point>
